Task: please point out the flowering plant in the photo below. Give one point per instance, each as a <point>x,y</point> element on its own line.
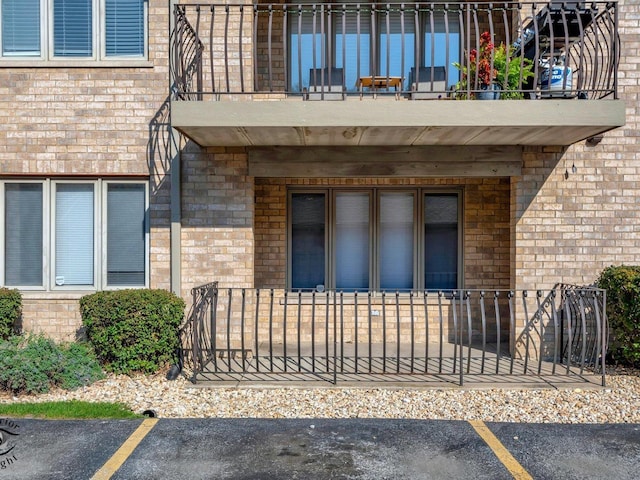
<point>491,64</point>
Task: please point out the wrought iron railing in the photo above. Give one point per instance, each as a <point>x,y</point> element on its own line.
<point>333,335</point>
<point>413,50</point>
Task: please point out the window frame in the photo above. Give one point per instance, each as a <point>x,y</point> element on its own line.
<point>105,231</point>
<point>375,194</point>
<point>100,229</point>
<point>53,236</point>
<point>98,56</point>
<point>45,234</point>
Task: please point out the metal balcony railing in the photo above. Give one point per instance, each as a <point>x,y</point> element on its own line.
<point>419,50</point>
<point>414,336</point>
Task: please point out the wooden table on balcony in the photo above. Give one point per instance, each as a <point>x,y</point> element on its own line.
<point>375,83</point>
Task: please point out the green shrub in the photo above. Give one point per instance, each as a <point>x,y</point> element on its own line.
<point>81,367</point>
<point>36,363</point>
<point>133,330</point>
<point>623,312</point>
<point>10,311</point>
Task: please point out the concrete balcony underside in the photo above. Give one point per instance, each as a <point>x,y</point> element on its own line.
<point>386,121</point>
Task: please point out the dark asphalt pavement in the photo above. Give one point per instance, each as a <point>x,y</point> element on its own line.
<point>318,449</point>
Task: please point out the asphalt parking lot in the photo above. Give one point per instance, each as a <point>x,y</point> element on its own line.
<point>316,449</point>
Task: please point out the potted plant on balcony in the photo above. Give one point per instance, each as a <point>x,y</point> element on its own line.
<point>501,81</point>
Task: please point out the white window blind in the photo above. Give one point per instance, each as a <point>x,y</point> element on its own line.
<point>396,240</point>
<point>124,24</point>
<point>352,241</point>
<point>72,28</point>
<point>74,240</point>
<point>21,27</point>
<point>23,234</point>
<point>125,234</point>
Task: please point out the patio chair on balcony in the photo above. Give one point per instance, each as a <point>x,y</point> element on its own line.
<point>429,83</point>
<point>576,14</point>
<point>325,84</point>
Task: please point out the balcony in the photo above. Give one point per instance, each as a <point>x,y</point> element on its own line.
<point>346,74</point>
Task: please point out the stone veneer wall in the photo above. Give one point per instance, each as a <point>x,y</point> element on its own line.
<point>90,122</point>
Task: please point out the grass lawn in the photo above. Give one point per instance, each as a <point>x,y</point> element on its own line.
<point>74,409</point>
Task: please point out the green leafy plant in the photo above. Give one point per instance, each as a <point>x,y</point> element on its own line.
<point>491,64</point>
<point>133,330</point>
<point>35,364</point>
<point>10,311</point>
<point>623,312</point>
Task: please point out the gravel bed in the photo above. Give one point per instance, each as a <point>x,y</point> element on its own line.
<point>619,402</point>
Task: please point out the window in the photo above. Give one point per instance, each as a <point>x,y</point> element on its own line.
<point>23,240</point>
<point>362,42</point>
<point>73,29</point>
<point>387,239</point>
<point>60,234</point>
<point>74,233</point>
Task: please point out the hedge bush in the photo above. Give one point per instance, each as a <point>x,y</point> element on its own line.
<point>10,311</point>
<point>623,311</point>
<point>133,330</point>
<point>36,363</point>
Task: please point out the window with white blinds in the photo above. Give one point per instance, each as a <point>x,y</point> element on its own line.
<point>59,234</point>
<point>352,242</point>
<point>20,28</point>
<point>396,240</point>
<point>374,238</point>
<point>74,234</point>
<point>73,29</point>
<point>23,242</point>
<point>124,28</point>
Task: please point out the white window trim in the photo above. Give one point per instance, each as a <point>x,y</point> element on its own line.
<point>45,229</point>
<point>96,239</point>
<point>99,56</point>
<point>49,235</point>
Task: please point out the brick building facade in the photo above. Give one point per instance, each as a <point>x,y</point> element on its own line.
<point>570,212</point>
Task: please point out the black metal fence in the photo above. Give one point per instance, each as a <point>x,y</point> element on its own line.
<point>413,50</point>
<point>233,332</point>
